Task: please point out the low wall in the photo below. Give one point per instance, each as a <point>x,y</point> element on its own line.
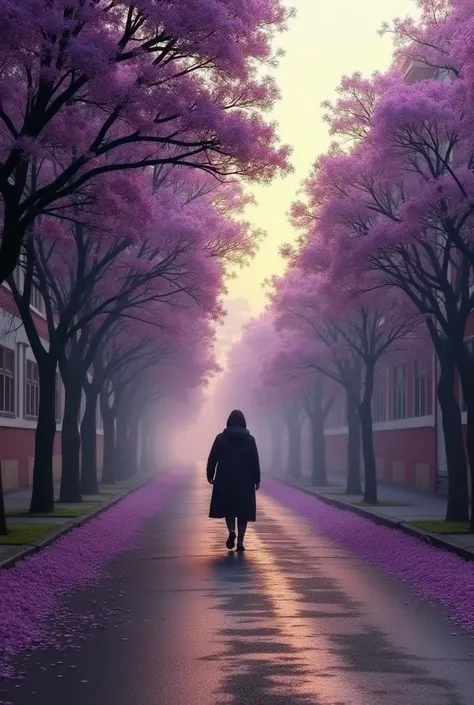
<point>404,457</point>
<point>17,448</point>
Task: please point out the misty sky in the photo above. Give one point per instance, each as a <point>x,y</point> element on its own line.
<point>327,39</point>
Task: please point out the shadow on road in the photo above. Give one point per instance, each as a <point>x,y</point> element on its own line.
<point>230,564</point>
<point>282,644</point>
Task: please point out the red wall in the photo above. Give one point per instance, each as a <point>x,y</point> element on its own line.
<point>19,444</point>
<point>414,447</point>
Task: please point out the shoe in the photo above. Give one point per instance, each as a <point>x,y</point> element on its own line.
<point>231,540</point>
<point>240,547</point>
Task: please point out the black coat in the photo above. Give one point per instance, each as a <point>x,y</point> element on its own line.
<point>234,465</point>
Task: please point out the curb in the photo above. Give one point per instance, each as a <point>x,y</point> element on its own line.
<point>66,528</point>
<point>424,536</point>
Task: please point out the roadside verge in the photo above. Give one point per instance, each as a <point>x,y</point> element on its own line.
<point>442,542</point>
<point>18,553</point>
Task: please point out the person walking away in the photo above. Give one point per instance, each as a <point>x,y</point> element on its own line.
<point>233,468</point>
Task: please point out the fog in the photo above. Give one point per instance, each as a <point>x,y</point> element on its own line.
<point>187,434</point>
<point>186,429</point>
<point>191,443</point>
<point>188,440</point>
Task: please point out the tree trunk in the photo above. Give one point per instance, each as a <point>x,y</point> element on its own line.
<point>152,466</point>
<point>3,519</point>
<point>319,473</point>
<point>108,465</point>
<point>294,448</point>
<point>71,440</point>
<point>370,469</point>
<point>128,450</point>
<point>89,481</point>
<point>353,485</point>
<point>139,454</point>
<point>470,451</point>
<point>457,508</point>
<point>466,372</point>
<point>132,467</point>
<point>108,418</point>
<point>148,434</point>
<point>144,451</point>
<point>122,446</point>
<point>42,497</point>
<point>276,447</point>
<point>367,433</point>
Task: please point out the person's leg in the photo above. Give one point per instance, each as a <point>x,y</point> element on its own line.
<point>241,528</point>
<point>230,521</point>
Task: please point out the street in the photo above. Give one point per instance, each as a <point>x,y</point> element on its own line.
<point>294,620</point>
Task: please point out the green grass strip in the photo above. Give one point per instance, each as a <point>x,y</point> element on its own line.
<point>26,534</point>
<point>440,526</point>
<point>112,491</point>
<point>382,503</point>
<point>61,511</point>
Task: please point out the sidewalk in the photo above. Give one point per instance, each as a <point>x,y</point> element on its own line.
<point>30,533</point>
<point>412,512</point>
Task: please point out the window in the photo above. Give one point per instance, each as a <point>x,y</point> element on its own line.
<point>399,392</point>
<point>18,277</point>
<point>36,299</point>
<point>470,347</point>
<point>342,414</point>
<point>83,406</point>
<point>331,417</point>
<point>379,403</point>
<point>99,423</point>
<point>57,399</point>
<point>7,381</point>
<point>337,417</point>
<point>420,391</point>
<point>31,390</point>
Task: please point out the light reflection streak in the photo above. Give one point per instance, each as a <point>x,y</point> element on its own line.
<point>314,655</point>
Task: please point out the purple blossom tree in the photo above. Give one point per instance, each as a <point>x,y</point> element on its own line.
<point>91,88</point>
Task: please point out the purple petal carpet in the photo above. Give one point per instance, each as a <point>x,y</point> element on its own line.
<point>32,591</point>
<point>435,575</point>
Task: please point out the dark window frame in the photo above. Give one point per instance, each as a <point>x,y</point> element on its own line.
<point>399,393</point>
<point>32,390</point>
<point>7,382</point>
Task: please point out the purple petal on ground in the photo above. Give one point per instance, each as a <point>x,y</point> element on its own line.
<point>31,590</point>
<point>436,575</point>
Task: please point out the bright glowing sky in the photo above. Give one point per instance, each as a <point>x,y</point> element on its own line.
<point>327,39</point>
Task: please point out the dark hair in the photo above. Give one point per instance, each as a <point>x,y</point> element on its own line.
<point>236,418</point>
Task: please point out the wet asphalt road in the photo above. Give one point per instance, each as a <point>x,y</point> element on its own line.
<point>294,620</point>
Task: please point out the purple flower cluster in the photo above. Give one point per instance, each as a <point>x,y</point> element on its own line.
<point>435,574</point>
<point>31,591</point>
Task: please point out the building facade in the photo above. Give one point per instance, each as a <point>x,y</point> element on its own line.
<point>19,397</point>
<point>405,422</point>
